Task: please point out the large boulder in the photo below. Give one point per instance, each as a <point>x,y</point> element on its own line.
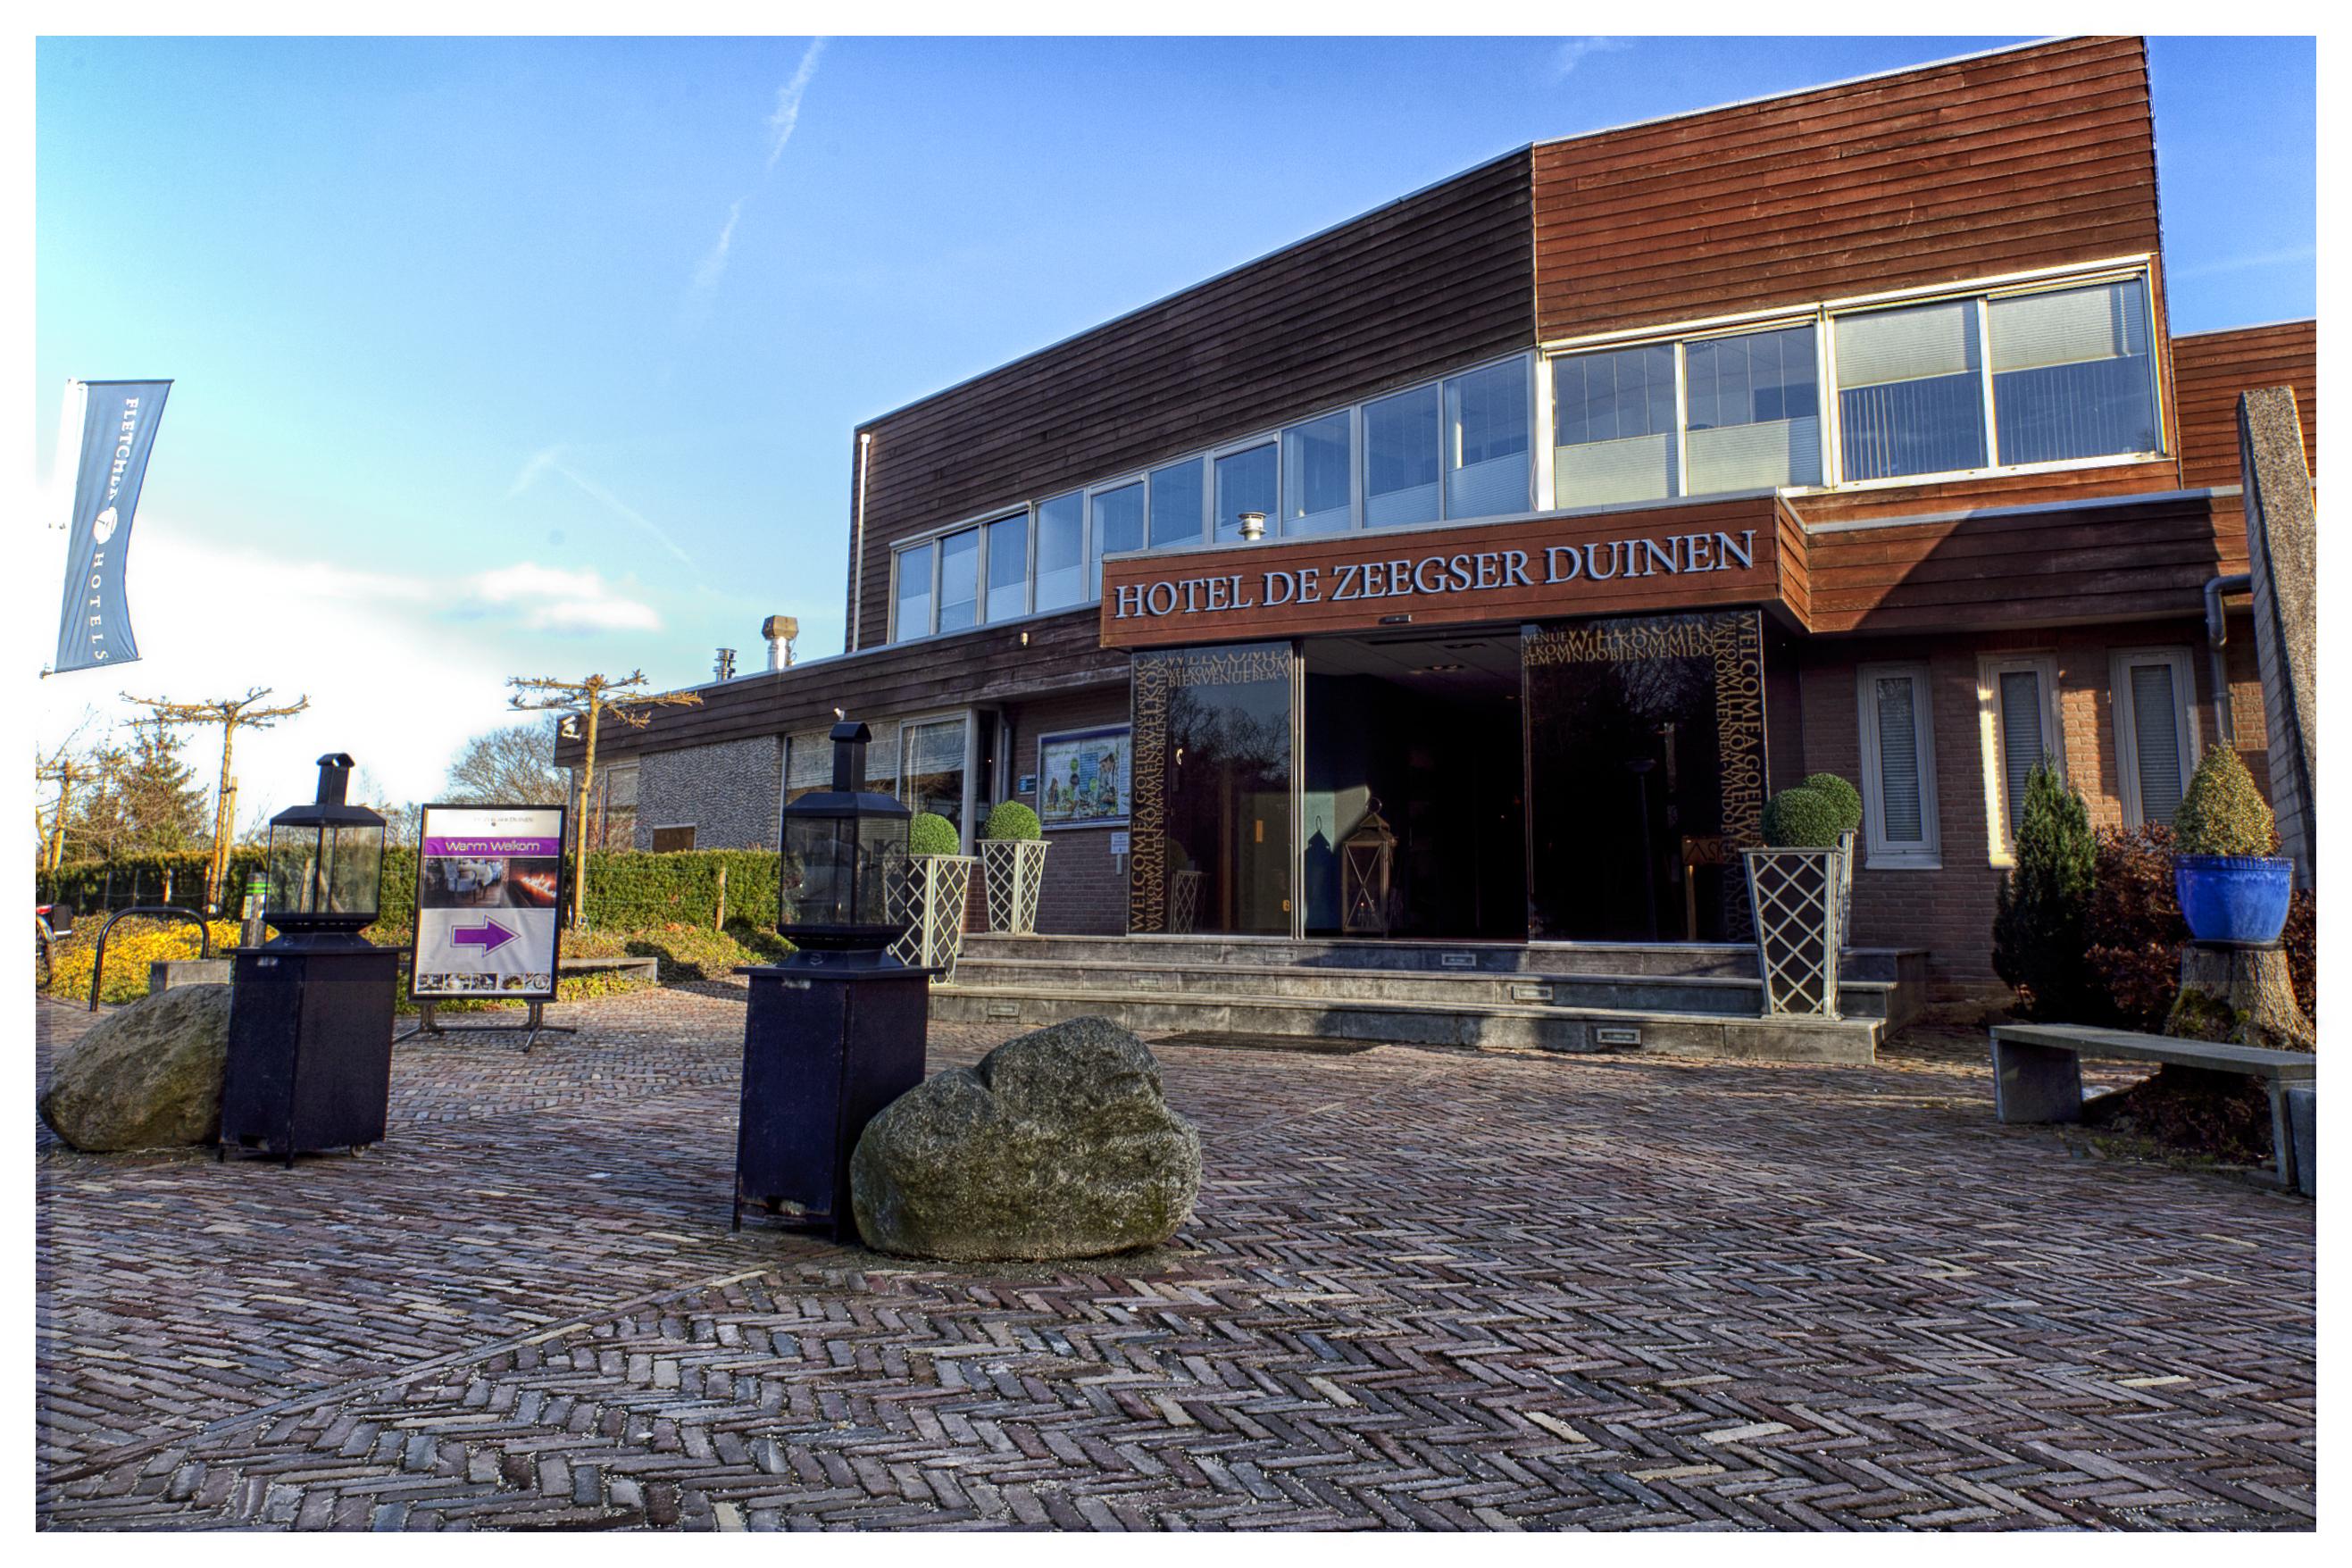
<point>147,1075</point>
<point>1057,1144</point>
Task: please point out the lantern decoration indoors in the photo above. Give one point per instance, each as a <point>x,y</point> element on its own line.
<point>837,1031</point>
<point>309,1029</point>
<point>1366,858</point>
<point>841,848</point>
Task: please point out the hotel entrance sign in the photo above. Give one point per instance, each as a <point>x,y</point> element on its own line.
<point>489,882</point>
<point>1672,557</point>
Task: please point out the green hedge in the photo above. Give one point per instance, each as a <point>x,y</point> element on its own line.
<point>140,879</point>
<point>625,889</point>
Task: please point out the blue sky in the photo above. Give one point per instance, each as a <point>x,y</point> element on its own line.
<point>501,356</point>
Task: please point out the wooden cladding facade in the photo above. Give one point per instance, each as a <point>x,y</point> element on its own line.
<point>2028,158</point>
<point>985,665</point>
<point>1500,572</point>
<point>1435,280</point>
<point>2211,369</point>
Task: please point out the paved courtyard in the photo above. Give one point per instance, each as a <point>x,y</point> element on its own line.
<point>1422,1287</point>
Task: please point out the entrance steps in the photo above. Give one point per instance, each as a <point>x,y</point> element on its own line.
<point>1702,999</point>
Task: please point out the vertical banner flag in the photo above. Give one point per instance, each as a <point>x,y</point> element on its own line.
<point>489,882</point>
<point>118,430</point>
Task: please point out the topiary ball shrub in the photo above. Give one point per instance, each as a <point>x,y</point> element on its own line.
<point>931,834</point>
<point>1802,818</point>
<point>2223,813</point>
<point>1847,799</point>
<point>1011,820</point>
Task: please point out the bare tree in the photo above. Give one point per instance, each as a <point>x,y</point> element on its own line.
<point>512,766</point>
<point>593,697</point>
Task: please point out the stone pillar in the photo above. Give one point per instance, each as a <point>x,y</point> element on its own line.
<point>2281,551</point>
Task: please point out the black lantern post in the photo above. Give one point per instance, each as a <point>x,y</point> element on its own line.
<point>310,1034</point>
<point>837,1031</point>
<point>1367,857</point>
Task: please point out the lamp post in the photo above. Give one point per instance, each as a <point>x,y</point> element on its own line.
<point>309,1030</point>
<point>837,1031</point>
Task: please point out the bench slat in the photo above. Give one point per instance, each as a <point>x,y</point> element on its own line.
<point>2259,1061</point>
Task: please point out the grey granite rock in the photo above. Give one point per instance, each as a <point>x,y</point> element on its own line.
<point>147,1076</point>
<point>1057,1144</point>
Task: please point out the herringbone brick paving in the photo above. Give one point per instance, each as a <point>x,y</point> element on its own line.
<point>1424,1288</point>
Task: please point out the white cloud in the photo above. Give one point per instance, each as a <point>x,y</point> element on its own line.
<point>1574,52</point>
<point>538,464</point>
<point>781,124</point>
<point>788,102</point>
<point>713,266</point>
<point>400,670</point>
<point>547,460</point>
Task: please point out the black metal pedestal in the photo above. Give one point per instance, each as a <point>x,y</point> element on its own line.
<point>310,1048</point>
<point>823,1051</point>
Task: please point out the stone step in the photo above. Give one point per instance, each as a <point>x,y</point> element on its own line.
<point>1723,995</point>
<point>1850,1040</point>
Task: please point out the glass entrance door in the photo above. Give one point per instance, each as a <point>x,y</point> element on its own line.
<point>1211,798</point>
<point>1645,773</point>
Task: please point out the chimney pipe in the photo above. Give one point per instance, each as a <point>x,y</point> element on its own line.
<point>780,631</point>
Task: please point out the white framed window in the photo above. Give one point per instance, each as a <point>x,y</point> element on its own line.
<point>2156,730</point>
<point>916,569</point>
<point>2017,706</point>
<point>1062,551</point>
<point>1899,767</point>
<point>1727,411</point>
<point>1007,558</point>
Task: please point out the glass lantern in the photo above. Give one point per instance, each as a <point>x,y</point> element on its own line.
<point>326,859</point>
<point>1366,856</point>
<point>841,848</point>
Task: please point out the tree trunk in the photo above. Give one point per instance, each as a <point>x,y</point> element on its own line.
<point>2243,995</point>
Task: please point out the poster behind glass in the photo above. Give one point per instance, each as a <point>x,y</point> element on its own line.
<point>1082,777</point>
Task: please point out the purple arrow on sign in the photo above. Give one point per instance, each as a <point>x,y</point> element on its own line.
<point>490,936</point>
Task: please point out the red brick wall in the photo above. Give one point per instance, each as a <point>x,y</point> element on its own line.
<point>1086,888</point>
<point>1950,911</point>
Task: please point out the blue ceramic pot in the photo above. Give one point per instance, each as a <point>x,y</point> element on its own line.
<point>2233,898</point>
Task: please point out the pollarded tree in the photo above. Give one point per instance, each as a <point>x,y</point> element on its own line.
<point>2040,910</point>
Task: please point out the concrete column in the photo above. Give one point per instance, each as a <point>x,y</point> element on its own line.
<point>2282,558</point>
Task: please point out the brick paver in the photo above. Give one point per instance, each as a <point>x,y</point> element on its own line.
<point>1422,1288</point>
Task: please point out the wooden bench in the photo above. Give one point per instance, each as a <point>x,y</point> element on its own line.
<point>2037,1072</point>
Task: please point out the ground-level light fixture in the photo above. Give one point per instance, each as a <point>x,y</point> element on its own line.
<point>1367,857</point>
<point>309,1031</point>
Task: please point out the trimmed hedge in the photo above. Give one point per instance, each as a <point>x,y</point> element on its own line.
<point>1847,799</point>
<point>2222,812</point>
<point>1012,820</point>
<point>931,834</point>
<point>1802,818</point>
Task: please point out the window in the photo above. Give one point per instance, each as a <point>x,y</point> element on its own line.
<point>931,774</point>
<point>1316,478</point>
<point>1246,483</point>
<point>1754,411</point>
<point>2017,700</point>
<point>913,618</point>
<point>1613,423</point>
<point>1400,458</point>
<point>1061,551</point>
<point>1177,497</point>
<point>881,757</point>
<point>616,812</point>
<point>808,763</point>
<point>959,580</point>
<point>2072,373</point>
<point>1910,390</point>
<point>1487,458</point>
<point>1008,567</point>
<point>1116,523</point>
<point>1899,767</point>
<point>2156,741</point>
<point>669,840</point>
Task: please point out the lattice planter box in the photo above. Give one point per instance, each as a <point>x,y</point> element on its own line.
<point>927,896</point>
<point>1016,873</point>
<point>1799,898</point>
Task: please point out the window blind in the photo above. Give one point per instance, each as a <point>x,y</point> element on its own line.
<point>1595,473</point>
<point>1771,452</point>
<point>881,754</point>
<point>808,760</point>
<point>935,748</point>
<point>2156,739</point>
<point>1915,344</point>
<point>1902,819</point>
<point>2071,326</point>
<point>2021,738</point>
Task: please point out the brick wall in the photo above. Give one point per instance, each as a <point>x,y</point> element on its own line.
<point>1950,911</point>
<point>729,793</point>
<point>1086,888</point>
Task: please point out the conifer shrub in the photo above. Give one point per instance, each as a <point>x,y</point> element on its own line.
<point>2222,812</point>
<point>1802,818</point>
<point>1012,820</point>
<point>2040,910</point>
<point>931,834</point>
<point>1847,799</point>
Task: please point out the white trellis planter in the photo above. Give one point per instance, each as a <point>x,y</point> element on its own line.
<point>1184,901</point>
<point>928,898</point>
<point>1016,871</point>
<point>1799,897</point>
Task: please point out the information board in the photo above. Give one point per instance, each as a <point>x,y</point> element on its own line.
<point>490,894</point>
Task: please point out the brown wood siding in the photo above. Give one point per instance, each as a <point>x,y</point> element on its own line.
<point>2035,157</point>
<point>2147,557</point>
<point>986,664</point>
<point>1979,490</point>
<point>1438,279</point>
<point>1794,553</point>
<point>2211,369</point>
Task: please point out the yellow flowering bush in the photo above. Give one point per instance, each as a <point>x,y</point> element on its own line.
<point>133,945</point>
